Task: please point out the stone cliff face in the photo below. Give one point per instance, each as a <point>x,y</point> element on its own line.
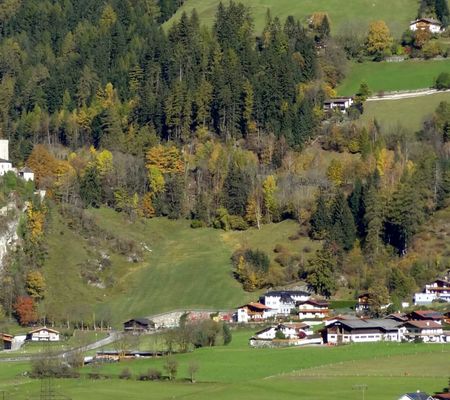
<point>9,216</point>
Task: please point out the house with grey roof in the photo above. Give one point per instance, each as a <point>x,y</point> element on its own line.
<point>364,330</point>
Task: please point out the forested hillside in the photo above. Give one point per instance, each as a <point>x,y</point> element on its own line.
<point>218,125</point>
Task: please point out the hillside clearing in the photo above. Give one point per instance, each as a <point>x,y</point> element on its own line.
<point>397,14</point>
<point>186,268</point>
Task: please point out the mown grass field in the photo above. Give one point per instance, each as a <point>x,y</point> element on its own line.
<point>186,268</point>
<point>239,372</point>
<point>397,14</point>
<point>385,76</point>
<point>408,113</point>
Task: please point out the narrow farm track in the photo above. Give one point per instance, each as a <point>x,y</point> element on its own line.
<point>407,94</point>
<point>111,338</point>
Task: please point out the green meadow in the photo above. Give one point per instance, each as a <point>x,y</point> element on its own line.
<point>391,76</point>
<point>239,372</point>
<point>396,14</point>
<point>408,113</point>
<point>183,268</point>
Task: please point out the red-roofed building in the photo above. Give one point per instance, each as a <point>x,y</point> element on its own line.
<point>254,312</point>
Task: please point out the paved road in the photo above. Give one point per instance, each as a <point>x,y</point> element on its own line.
<point>407,95</point>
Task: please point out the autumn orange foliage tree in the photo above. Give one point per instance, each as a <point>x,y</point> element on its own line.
<point>25,308</point>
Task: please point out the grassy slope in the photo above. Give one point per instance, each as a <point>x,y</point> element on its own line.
<point>410,113</point>
<point>187,268</point>
<point>396,13</point>
<point>238,372</point>
<point>384,76</point>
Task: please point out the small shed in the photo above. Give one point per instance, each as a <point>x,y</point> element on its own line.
<point>6,341</point>
<point>138,325</point>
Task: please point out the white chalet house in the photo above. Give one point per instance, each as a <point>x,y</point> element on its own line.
<point>283,301</point>
<point>43,334</point>
<point>253,312</point>
<point>289,330</point>
<point>312,309</point>
<point>437,290</point>
<point>338,103</point>
<point>430,24</point>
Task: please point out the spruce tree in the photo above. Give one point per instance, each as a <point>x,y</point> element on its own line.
<point>442,12</point>
<point>320,219</point>
<point>320,272</point>
<point>343,231</point>
<point>90,188</point>
<point>236,190</point>
<point>356,204</point>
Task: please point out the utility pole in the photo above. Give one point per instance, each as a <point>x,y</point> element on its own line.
<point>363,389</point>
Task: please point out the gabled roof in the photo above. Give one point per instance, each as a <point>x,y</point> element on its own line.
<point>44,328</point>
<point>280,293</point>
<point>383,324</point>
<point>418,396</point>
<point>402,317</point>
<point>318,303</point>
<point>427,20</point>
<point>296,325</point>
<point>428,314</point>
<point>26,170</point>
<point>258,306</point>
<point>141,321</point>
<point>338,100</point>
<point>424,324</point>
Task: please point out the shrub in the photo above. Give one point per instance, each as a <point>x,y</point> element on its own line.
<point>154,374</point>
<point>443,81</point>
<point>280,335</point>
<point>125,374</point>
<point>197,224</point>
<point>237,223</point>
